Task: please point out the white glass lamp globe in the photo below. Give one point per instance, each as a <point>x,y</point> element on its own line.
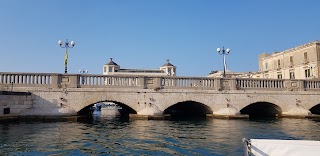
<point>60,42</point>
<point>73,43</point>
<point>218,49</point>
<point>228,50</point>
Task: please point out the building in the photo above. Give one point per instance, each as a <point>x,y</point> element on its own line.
<point>301,62</point>
<point>229,74</point>
<point>112,68</point>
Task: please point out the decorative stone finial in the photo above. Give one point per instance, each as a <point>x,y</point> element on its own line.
<point>168,60</point>
<point>111,58</point>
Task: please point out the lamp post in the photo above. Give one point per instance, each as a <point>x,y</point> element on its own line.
<point>224,53</point>
<point>83,71</point>
<point>66,45</point>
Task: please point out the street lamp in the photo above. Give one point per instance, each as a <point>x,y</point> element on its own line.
<point>83,71</point>
<point>224,53</point>
<point>66,45</point>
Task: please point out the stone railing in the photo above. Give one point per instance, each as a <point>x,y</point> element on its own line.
<point>249,83</point>
<point>28,79</point>
<point>312,84</point>
<point>187,82</point>
<point>54,80</point>
<point>89,81</point>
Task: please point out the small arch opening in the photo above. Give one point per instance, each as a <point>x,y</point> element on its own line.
<point>261,109</point>
<point>188,109</point>
<point>315,109</point>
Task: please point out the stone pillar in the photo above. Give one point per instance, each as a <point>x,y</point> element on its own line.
<point>142,82</point>
<point>157,83</point>
<point>233,84</point>
<point>69,80</point>
<point>73,81</point>
<point>217,84</point>
<point>287,85</point>
<point>55,81</point>
<point>301,85</point>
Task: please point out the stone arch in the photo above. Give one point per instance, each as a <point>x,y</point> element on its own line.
<point>188,108</point>
<point>124,111</point>
<point>83,105</point>
<point>315,109</point>
<point>261,108</point>
<point>175,98</point>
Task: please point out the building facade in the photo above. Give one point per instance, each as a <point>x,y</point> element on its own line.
<point>112,68</point>
<point>301,62</point>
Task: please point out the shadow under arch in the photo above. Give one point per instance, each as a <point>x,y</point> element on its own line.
<point>315,109</point>
<point>125,111</point>
<point>188,109</point>
<point>261,109</point>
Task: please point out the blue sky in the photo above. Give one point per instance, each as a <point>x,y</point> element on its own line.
<point>144,33</point>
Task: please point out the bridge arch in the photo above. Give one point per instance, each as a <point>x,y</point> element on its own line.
<point>315,109</point>
<point>188,108</point>
<point>124,111</point>
<point>261,108</point>
<point>81,106</point>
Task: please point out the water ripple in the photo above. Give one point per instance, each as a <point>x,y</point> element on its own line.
<point>145,137</point>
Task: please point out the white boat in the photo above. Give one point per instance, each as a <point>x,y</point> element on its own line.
<point>110,109</point>
<point>271,147</point>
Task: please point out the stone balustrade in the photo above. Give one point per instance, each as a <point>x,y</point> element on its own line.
<point>249,83</point>
<point>27,79</point>
<point>187,82</point>
<point>86,80</point>
<point>312,84</point>
<point>54,80</point>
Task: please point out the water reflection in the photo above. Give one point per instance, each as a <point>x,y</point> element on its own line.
<point>114,135</point>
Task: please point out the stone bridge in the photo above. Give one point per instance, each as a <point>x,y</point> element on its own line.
<point>52,94</point>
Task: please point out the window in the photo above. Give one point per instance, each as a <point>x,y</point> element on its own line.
<point>291,60</point>
<point>110,69</point>
<point>279,76</point>
<point>279,64</point>
<point>6,110</point>
<point>307,73</point>
<point>292,75</point>
<point>105,69</point>
<point>266,65</point>
<point>169,71</point>
<point>305,55</point>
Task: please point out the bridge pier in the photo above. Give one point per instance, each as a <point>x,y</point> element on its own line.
<point>227,111</point>
<point>297,111</point>
<point>152,110</point>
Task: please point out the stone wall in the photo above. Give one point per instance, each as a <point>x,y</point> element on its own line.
<point>12,103</point>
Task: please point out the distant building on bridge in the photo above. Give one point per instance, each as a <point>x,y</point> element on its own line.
<point>112,68</point>
<point>229,74</point>
<point>301,62</point>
